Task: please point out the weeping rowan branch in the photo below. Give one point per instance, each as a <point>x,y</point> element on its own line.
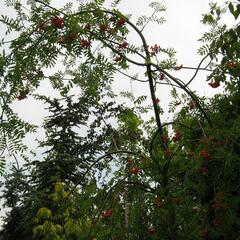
<point>198,68</point>
<point>49,6</point>
<point>187,90</point>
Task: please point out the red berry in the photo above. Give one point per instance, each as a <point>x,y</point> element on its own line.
<point>123,45</point>
<point>161,76</point>
<point>42,26</point>
<point>134,170</point>
<point>177,137</point>
<point>152,230</point>
<point>221,143</point>
<point>156,101</point>
<point>129,161</point>
<point>21,97</point>
<point>103,27</point>
<point>214,84</point>
<point>57,22</point>
<point>117,59</point>
<point>155,49</point>
<point>107,213</point>
<point>120,22</point>
<point>205,155</point>
<point>85,43</point>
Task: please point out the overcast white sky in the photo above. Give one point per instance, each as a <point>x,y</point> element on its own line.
<point>181,31</point>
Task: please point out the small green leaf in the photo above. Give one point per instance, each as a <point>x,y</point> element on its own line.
<point>237,11</point>
<point>231,8</point>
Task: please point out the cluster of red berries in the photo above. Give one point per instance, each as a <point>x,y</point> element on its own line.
<point>103,27</point>
<point>177,137</point>
<point>85,43</point>
<point>155,50</point>
<point>123,45</point>
<point>205,155</point>
<point>152,230</point>
<point>107,213</point>
<point>57,22</point>
<point>134,170</point>
<point>231,64</point>
<point>121,21</point>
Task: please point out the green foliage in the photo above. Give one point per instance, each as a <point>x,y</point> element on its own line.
<point>105,170</point>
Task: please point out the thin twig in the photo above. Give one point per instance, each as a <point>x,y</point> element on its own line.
<point>198,68</point>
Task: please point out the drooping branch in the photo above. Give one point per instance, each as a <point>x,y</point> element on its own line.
<point>51,7</point>
<point>187,90</point>
<point>198,68</point>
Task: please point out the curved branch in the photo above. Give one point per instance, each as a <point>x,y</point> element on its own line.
<point>49,6</point>
<point>187,90</point>
<point>198,68</point>
<point>168,84</point>
<point>121,54</point>
<point>133,78</point>
<point>141,186</point>
<point>127,48</point>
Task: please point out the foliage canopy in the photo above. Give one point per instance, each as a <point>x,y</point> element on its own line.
<point>107,172</point>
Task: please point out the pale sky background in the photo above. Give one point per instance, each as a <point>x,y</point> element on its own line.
<point>181,31</point>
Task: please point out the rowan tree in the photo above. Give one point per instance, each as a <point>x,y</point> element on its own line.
<point>106,171</point>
